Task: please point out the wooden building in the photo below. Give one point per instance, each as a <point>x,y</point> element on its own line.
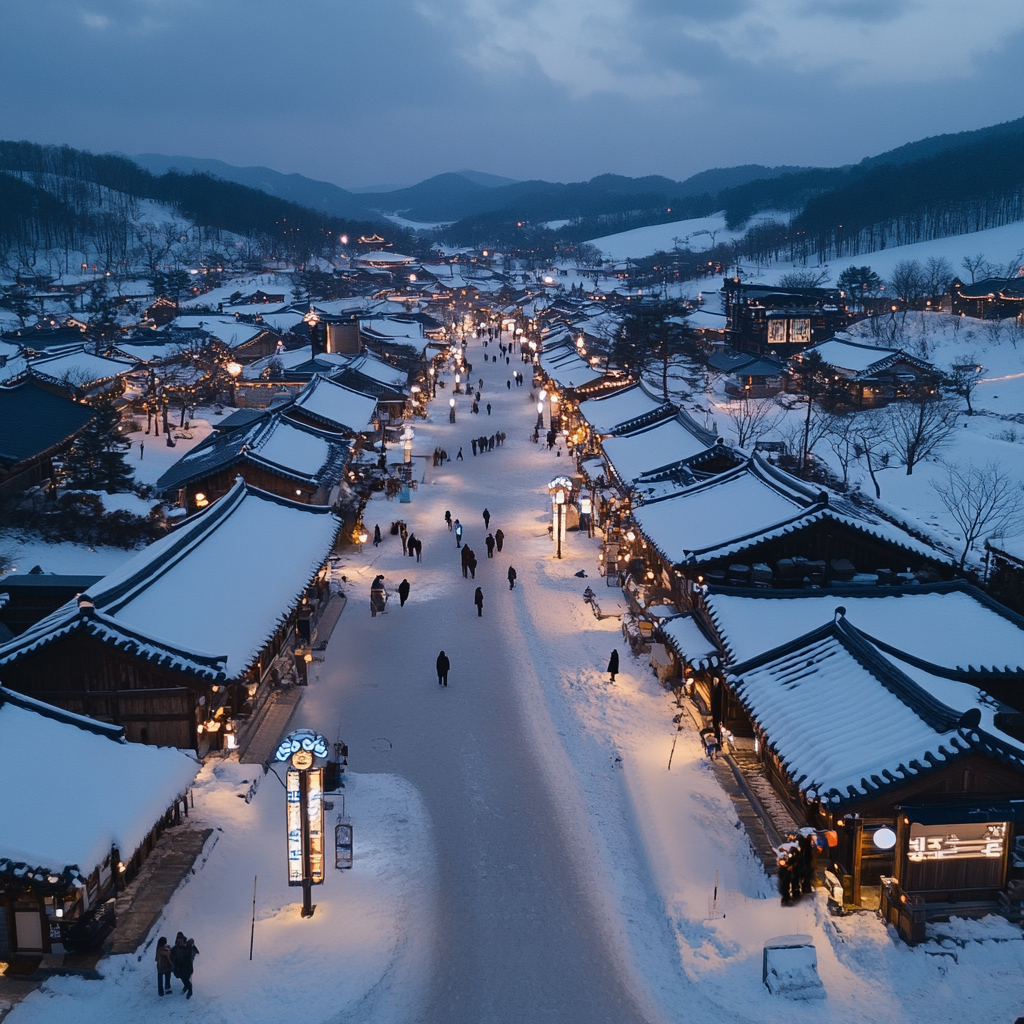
<point>770,319</point>
<point>179,643</point>
<point>35,426</point>
<point>111,800</point>
<point>920,772</point>
<point>274,453</point>
<point>995,298</point>
<point>758,524</point>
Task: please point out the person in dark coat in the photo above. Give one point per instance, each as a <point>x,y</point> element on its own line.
<point>376,535</point>
<point>808,862</point>
<point>499,539</point>
<point>182,958</point>
<point>460,457</point>
<point>465,562</point>
<point>487,519</point>
<point>478,600</point>
<point>164,966</point>
<point>473,443</point>
<point>443,664</point>
<point>511,578</point>
<point>471,562</point>
<point>419,549</point>
<point>613,664</point>
<point>448,519</point>
<point>490,546</point>
<point>403,592</point>
<point>405,537</point>
<point>410,545</point>
<point>488,408</point>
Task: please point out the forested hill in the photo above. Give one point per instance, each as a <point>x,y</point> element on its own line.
<point>56,197</point>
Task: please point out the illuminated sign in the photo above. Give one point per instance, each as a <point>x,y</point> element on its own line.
<point>957,842</point>
<point>776,332</point>
<point>800,332</point>
<point>295,864</point>
<point>302,739</point>
<point>315,814</point>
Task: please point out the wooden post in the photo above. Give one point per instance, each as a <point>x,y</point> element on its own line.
<point>252,931</point>
<point>855,825</point>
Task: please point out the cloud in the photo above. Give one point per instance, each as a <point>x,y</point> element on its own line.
<point>97,21</point>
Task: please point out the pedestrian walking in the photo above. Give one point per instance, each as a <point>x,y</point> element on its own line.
<point>443,665</point>
<point>419,549</point>
<point>142,444</point>
<point>508,384</point>
<point>163,966</point>
<point>376,535</point>
<point>613,664</point>
<point>183,957</point>
<point>403,593</point>
<point>490,546</point>
<point>487,519</point>
<point>478,600</point>
<point>460,457</point>
<point>473,442</point>
<point>488,408</point>
<point>511,578</point>
<point>448,519</point>
<point>458,534</point>
<point>404,533</point>
<point>472,563</point>
<point>499,539</point>
<point>410,545</point>
<point>465,562</point>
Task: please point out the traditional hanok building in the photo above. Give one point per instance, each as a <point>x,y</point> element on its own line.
<point>179,644</point>
<point>371,375</point>
<point>920,772</point>
<point>329,405</point>
<point>672,451</point>
<point>35,426</point>
<point>71,839</point>
<point>994,298</point>
<point>781,321</point>
<point>874,375</point>
<point>756,523</point>
<point>25,598</point>
<point>627,408</point>
<point>296,461</point>
<point>77,373</point>
<point>749,376</point>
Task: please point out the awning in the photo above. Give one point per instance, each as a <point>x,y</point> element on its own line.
<point>966,812</point>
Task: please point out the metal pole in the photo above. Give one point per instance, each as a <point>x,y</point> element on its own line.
<point>307,882</point>
<point>252,932</point>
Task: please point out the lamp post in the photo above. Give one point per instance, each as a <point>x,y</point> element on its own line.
<point>234,369</point>
<point>431,373</point>
<point>451,410</point>
<point>560,488</point>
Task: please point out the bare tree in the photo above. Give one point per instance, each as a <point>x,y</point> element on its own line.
<point>840,434</point>
<point>804,278</point>
<point>980,499</point>
<point>938,272</point>
<point>909,280</point>
<point>919,427</point>
<point>872,445</point>
<point>964,377</point>
<point>977,266</point>
<point>752,418</point>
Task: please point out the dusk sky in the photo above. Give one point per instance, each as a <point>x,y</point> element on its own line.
<point>366,93</point>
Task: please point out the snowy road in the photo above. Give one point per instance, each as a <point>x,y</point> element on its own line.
<point>519,933</point>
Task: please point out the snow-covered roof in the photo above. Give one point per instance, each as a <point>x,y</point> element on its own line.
<point>336,406</point>
<point>393,327</point>
<point>381,258</point>
<point>107,792</point>
<point>377,369</point>
<point>273,442</point>
<point>1011,547</point>
<point>705,320</point>
<point>205,599</point>
<point>79,368</point>
<point>857,358</point>
<point>687,639</point>
<point>567,368</point>
<point>225,329</point>
<point>609,414</point>
<point>751,504</point>
<point>669,442</point>
<point>811,696</point>
<point>948,624</point>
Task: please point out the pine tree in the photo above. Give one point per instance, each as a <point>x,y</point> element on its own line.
<point>96,460</point>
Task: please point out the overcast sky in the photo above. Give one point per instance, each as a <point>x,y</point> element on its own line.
<point>362,92</point>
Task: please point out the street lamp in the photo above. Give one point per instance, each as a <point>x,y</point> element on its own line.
<point>451,410</point>
<point>234,369</point>
<point>560,488</point>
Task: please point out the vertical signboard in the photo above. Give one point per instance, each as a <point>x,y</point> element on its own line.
<point>294,805</point>
<point>315,805</point>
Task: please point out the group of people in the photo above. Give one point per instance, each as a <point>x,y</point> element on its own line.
<point>797,863</point>
<point>177,960</point>
<point>486,444</point>
<point>517,377</point>
<point>441,457</point>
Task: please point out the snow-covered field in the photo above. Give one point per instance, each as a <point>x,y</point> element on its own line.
<point>696,234</point>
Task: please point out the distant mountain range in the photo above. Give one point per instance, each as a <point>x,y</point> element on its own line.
<point>477,205</point>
